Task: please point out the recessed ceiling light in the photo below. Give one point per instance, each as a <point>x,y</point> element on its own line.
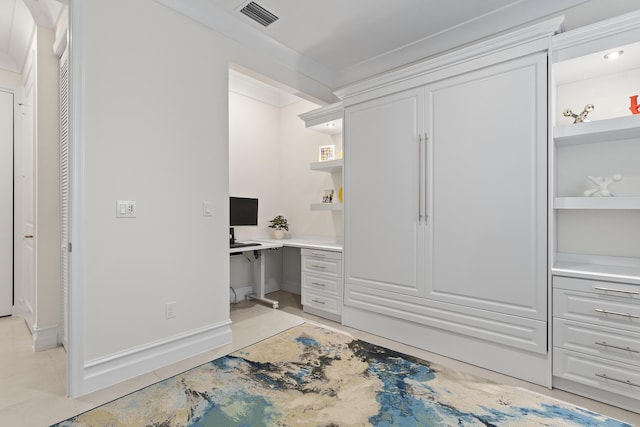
<point>613,55</point>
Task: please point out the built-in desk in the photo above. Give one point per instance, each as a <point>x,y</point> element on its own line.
<point>303,243</point>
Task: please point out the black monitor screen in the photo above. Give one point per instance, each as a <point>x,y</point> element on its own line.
<point>243,211</point>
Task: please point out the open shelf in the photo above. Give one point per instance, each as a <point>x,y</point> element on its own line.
<point>596,202</point>
<point>626,274</point>
<point>597,267</point>
<point>328,166</point>
<point>326,206</point>
<point>618,128</point>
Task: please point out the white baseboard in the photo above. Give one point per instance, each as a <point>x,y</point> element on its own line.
<point>45,337</point>
<point>115,368</point>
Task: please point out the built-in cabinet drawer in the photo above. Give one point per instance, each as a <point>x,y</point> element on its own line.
<point>598,373</point>
<point>601,310</point>
<point>320,265</point>
<point>612,289</point>
<point>596,339</point>
<point>324,302</point>
<point>614,344</point>
<point>322,283</point>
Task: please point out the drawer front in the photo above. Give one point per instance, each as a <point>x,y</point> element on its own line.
<point>329,303</point>
<point>322,284</point>
<point>317,253</point>
<point>319,265</point>
<point>612,344</point>
<point>610,376</point>
<point>611,289</point>
<point>596,309</point>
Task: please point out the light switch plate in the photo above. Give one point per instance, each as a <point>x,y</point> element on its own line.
<point>207,208</point>
<point>125,209</point>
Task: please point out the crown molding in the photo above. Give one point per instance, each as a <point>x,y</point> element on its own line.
<point>220,20</point>
<point>623,29</point>
<point>323,115</point>
<point>541,31</point>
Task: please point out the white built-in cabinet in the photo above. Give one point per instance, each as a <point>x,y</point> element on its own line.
<point>595,241</point>
<point>322,283</point>
<point>385,224</point>
<point>446,205</point>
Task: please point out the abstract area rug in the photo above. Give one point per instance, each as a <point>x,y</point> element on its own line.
<point>312,376</point>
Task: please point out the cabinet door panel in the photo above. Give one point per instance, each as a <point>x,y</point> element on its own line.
<point>489,138</point>
<point>383,234</point>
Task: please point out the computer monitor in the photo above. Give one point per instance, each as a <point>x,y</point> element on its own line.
<point>243,211</point>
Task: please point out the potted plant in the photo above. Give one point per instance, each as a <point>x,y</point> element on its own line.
<point>279,225</point>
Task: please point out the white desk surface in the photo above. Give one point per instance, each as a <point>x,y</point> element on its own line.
<point>262,246</point>
<point>307,243</point>
<point>294,242</point>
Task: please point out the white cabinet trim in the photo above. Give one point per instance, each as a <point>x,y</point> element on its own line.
<point>426,71</point>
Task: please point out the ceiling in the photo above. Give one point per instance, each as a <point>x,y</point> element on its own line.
<point>338,42</point>
<point>17,21</point>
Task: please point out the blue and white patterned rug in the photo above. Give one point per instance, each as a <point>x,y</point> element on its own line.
<point>312,376</point>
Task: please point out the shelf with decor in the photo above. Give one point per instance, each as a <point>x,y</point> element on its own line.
<point>326,206</point>
<point>328,166</point>
<point>607,203</point>
<point>613,129</point>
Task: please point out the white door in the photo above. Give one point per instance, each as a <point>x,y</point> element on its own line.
<point>384,172</point>
<point>489,141</point>
<point>27,191</point>
<point>6,203</point>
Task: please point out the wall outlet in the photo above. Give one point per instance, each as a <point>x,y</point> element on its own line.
<point>170,310</point>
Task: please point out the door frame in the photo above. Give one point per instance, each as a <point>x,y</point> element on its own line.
<point>12,197</point>
<point>76,381</point>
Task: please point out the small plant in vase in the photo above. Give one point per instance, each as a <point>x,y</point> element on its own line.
<point>279,225</point>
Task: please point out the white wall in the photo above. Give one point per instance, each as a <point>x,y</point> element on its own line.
<point>254,159</point>
<point>156,131</point>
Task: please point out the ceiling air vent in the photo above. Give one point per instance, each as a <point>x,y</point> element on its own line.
<point>259,14</point>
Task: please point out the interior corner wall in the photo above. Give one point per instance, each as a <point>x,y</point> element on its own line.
<point>254,159</point>
<point>156,131</point>
<point>270,151</point>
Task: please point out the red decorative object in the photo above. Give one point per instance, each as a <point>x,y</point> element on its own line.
<point>635,108</point>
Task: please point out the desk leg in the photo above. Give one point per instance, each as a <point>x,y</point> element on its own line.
<point>261,282</point>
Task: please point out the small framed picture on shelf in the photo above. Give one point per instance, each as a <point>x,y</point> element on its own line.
<point>327,197</point>
<point>327,152</point>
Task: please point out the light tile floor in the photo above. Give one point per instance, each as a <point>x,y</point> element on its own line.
<point>33,385</point>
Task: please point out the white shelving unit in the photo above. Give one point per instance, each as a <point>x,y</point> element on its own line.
<point>595,241</point>
<point>587,266</point>
<point>328,166</point>
<point>608,203</point>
